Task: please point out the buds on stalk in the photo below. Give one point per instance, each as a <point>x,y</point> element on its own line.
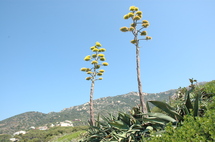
<point>136,16</point>
<point>95,58</point>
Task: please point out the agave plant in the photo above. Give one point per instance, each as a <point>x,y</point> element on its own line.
<point>136,125</point>
<point>192,101</point>
<point>127,127</point>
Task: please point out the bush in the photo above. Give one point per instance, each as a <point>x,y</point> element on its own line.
<point>193,129</point>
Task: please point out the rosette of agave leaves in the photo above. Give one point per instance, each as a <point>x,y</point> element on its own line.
<point>136,16</point>
<point>97,59</point>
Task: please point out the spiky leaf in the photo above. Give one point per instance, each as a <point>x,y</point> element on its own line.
<point>168,109</point>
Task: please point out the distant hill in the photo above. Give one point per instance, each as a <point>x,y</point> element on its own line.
<point>78,114</point>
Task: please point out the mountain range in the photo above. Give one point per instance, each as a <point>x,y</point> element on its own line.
<point>79,114</point>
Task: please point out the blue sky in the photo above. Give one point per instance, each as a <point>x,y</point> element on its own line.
<point>43,43</point>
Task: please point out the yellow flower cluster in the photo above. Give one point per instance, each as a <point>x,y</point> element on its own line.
<point>105,64</point>
<point>136,15</point>
<point>95,58</point>
<point>124,29</point>
<point>94,62</point>
<point>92,47</point>
<point>133,8</point>
<point>99,74</point>
<point>94,55</point>
<point>97,66</point>
<point>145,23</point>
<point>85,69</point>
<point>101,55</point>
<point>89,72</point>
<point>143,33</point>
<point>98,44</point>
<point>95,50</point>
<point>87,58</point>
<point>148,38</point>
<point>131,28</point>
<point>126,16</point>
<point>101,71</point>
<point>130,14</point>
<point>136,18</point>
<point>139,13</point>
<point>133,25</point>
<point>102,59</point>
<point>133,41</point>
<point>102,50</point>
<point>88,78</point>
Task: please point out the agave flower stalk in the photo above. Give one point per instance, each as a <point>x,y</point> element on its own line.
<point>94,73</point>
<point>136,16</point>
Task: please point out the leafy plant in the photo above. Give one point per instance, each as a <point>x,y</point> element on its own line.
<point>126,127</point>
<point>136,16</point>
<point>139,126</point>
<point>191,113</point>
<point>193,129</point>
<point>94,72</point>
<point>192,101</point>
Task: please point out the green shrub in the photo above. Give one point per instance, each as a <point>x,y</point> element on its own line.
<point>193,129</point>
<point>191,120</point>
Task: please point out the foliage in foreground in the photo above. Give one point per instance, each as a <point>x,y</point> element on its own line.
<point>129,127</point>
<point>198,128</point>
<point>138,126</point>
<point>194,129</point>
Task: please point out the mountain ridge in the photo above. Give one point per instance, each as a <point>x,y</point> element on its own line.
<point>103,105</point>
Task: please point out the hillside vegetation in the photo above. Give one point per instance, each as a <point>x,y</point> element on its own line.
<point>195,129</point>
<point>124,125</point>
<point>188,117</point>
<point>107,104</point>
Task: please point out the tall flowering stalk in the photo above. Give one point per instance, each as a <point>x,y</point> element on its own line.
<point>136,16</point>
<point>94,73</point>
